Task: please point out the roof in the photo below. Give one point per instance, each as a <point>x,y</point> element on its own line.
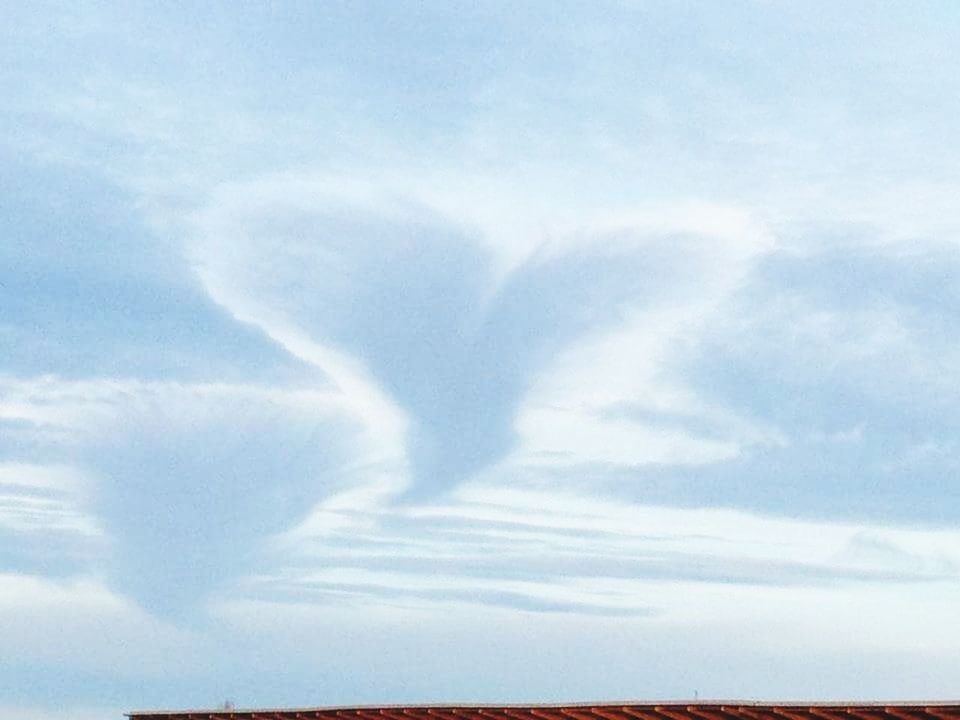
<point>733,710</point>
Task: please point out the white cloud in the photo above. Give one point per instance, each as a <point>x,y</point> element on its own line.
<point>45,499</point>
<point>231,246</point>
<point>268,249</point>
<point>76,411</point>
<point>139,459</point>
<point>547,550</point>
<point>574,412</point>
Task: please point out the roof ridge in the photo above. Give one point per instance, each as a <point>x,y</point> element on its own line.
<point>672,703</point>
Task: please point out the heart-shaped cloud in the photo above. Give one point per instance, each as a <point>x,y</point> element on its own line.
<point>453,352</point>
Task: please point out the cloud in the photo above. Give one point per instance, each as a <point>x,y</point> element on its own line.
<point>625,336</point>
<point>193,476</point>
<point>568,369</point>
<point>546,549</point>
<point>438,329</point>
<point>46,519</point>
<point>42,499</point>
<point>822,341</point>
<point>720,640</point>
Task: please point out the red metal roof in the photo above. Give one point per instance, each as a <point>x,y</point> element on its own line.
<point>611,711</point>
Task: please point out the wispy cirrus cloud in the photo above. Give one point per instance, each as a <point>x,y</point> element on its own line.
<point>582,554</point>
<point>41,498</point>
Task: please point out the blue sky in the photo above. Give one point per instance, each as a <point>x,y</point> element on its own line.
<point>394,352</point>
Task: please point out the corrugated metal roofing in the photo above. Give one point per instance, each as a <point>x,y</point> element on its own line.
<point>619,711</point>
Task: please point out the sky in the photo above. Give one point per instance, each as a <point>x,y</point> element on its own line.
<point>369,352</point>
